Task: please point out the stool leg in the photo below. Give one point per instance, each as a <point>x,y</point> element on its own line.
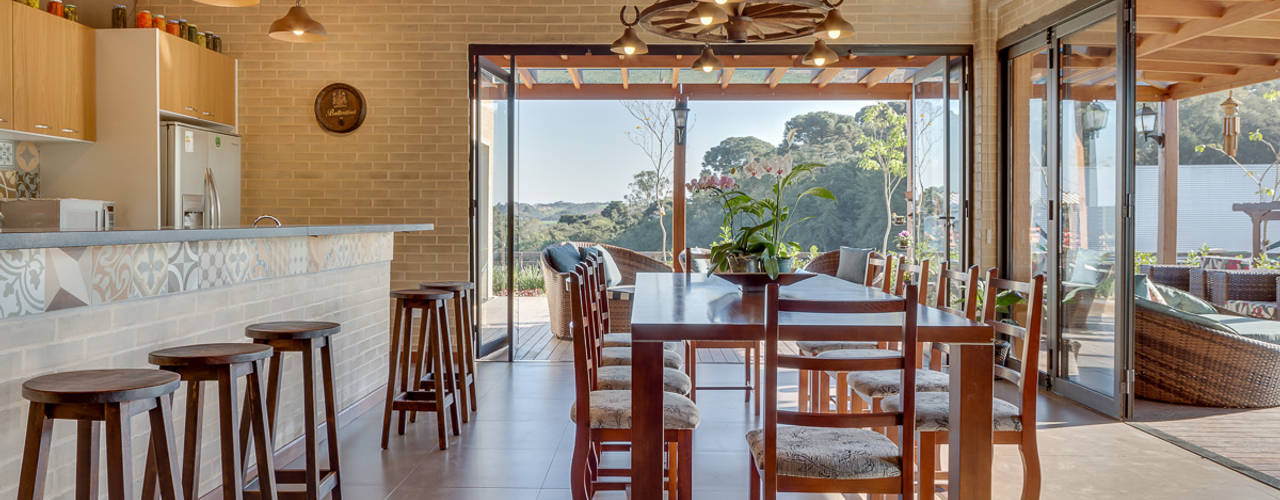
<point>470,338</point>
<point>438,381</point>
<point>119,453</point>
<point>331,415</point>
<point>88,436</point>
<point>445,344</point>
<point>35,454</point>
<point>415,383</point>
<point>228,422</point>
<point>309,406</point>
<point>191,440</point>
<point>391,372</point>
<point>264,443</point>
<point>460,357</point>
<point>405,358</point>
<point>162,444</point>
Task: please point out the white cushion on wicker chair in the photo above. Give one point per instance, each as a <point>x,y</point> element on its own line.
<point>612,410</point>
<point>624,340</point>
<point>933,412</point>
<point>619,356</point>
<point>885,383</point>
<point>619,378</point>
<point>816,347</point>
<point>829,453</point>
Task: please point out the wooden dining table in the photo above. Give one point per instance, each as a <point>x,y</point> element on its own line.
<point>668,307</point>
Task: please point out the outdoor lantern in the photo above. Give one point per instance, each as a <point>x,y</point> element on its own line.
<point>834,26</point>
<point>681,113</point>
<point>298,27</point>
<point>820,55</point>
<point>1230,125</point>
<point>1147,124</point>
<point>629,44</point>
<point>706,14</point>
<point>1094,117</point>
<point>708,62</point>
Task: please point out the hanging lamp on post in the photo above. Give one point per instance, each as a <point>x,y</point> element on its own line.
<point>1230,125</point>
<point>298,27</point>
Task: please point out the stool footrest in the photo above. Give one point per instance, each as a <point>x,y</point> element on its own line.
<point>291,483</point>
<point>420,401</point>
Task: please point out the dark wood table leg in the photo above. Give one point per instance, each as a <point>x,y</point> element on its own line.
<point>970,449</point>
<point>646,419</point>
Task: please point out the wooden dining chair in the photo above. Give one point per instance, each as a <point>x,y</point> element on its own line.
<point>815,387</point>
<point>913,273</point>
<point>602,416</point>
<point>1012,423</point>
<point>614,349</point>
<point>750,351</point>
<point>806,451</point>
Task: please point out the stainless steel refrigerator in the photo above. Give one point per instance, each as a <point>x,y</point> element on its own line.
<point>199,177</point>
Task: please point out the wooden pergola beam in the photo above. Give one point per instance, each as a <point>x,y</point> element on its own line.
<point>1180,9</point>
<point>626,78</point>
<point>775,76</point>
<point>876,76</point>
<point>725,77</point>
<point>1236,59</point>
<point>825,76</point>
<point>713,92</point>
<point>675,77</point>
<point>1232,16</point>
<point>1219,83</point>
<point>575,77</point>
<point>1166,76</point>
<point>1260,28</point>
<point>1220,44</point>
<point>1158,26</point>
<point>1188,67</point>
<point>1167,229</point>
<point>526,78</point>
<point>675,61</point>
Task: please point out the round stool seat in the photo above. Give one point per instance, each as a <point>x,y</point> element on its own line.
<point>291,330</point>
<point>452,286</point>
<point>100,386</point>
<point>422,294</point>
<point>209,355</point>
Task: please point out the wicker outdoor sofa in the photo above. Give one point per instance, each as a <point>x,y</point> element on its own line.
<point>629,263</point>
<point>1185,362</point>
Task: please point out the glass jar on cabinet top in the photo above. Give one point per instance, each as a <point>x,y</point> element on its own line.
<point>119,17</point>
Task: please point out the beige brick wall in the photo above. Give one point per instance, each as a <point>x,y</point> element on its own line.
<point>409,161</point>
<point>120,336</point>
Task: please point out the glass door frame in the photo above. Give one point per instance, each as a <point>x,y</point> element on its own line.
<point>1047,34</point>
<point>479,64</point>
<point>958,242</point>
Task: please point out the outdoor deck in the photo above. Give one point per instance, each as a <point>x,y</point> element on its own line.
<point>1241,439</point>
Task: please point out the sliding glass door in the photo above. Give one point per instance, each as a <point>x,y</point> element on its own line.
<point>1069,163</point>
<point>939,195</point>
<point>492,220</point>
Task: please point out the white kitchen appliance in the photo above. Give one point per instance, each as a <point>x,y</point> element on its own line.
<point>199,177</point>
<point>62,214</point>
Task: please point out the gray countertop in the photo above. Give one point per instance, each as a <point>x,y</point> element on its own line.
<point>11,239</point>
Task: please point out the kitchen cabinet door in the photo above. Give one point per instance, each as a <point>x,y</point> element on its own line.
<point>217,87</point>
<point>179,76</point>
<point>77,119</point>
<point>38,70</point>
<point>6,64</point>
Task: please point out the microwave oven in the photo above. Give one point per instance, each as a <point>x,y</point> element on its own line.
<point>64,214</point>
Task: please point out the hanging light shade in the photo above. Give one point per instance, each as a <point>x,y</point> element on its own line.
<point>229,3</point>
<point>298,27</point>
<point>629,44</point>
<point>721,2</point>
<point>706,14</point>
<point>1230,125</point>
<point>708,62</point>
<point>834,27</point>
<point>820,55</point>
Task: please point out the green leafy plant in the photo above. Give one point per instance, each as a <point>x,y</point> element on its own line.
<point>1143,259</point>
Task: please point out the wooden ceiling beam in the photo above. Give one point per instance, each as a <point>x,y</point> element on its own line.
<point>675,77</point>
<point>1188,67</point>
<point>526,78</point>
<point>1158,26</point>
<point>876,76</point>
<point>775,76</point>
<point>744,61</point>
<point>825,76</point>
<point>1253,29</point>
<point>1165,76</point>
<point>725,77</point>
<point>1179,9</point>
<point>1230,44</point>
<point>576,78</point>
<point>1219,83</point>
<point>626,78</point>
<point>713,92</point>
<point>1191,30</point>
<point>1195,56</point>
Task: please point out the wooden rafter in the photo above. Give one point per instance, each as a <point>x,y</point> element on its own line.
<point>1191,30</point>
<point>1188,67</point>
<point>626,78</point>
<point>713,91</point>
<point>876,76</point>
<point>1158,26</point>
<point>825,76</point>
<point>725,77</point>
<point>746,61</point>
<point>575,77</point>
<point>526,77</point>
<point>675,77</point>
<point>1253,29</point>
<point>1218,83</point>
<point>775,76</point>
<point>1180,9</point>
<point>1236,59</point>
<point>1221,44</point>
<point>1166,76</point>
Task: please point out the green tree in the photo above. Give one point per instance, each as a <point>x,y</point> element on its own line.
<point>734,152</point>
<point>884,145</point>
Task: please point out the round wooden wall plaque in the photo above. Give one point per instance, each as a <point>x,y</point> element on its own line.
<point>340,108</point>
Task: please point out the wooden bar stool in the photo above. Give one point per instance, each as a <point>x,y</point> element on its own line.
<point>464,325</point>
<point>91,397</point>
<point>223,364</point>
<point>406,394</point>
<point>304,337</point>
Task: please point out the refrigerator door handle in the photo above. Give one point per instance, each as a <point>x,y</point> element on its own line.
<point>213,210</point>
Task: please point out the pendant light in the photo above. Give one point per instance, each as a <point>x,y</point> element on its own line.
<point>721,2</point>
<point>834,27</point>
<point>708,62</point>
<point>629,44</point>
<point>298,27</point>
<point>1230,125</point>
<point>820,55</point>
<point>706,14</point>
<point>229,3</point>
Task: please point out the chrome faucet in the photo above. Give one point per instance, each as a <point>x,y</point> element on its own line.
<point>267,217</point>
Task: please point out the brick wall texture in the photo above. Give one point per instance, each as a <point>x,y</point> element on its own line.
<point>120,336</point>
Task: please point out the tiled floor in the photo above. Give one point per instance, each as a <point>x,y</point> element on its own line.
<point>518,448</point>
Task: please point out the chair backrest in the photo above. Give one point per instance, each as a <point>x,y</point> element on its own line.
<point>878,265</point>
<point>913,273</point>
<point>690,256</point>
<point>597,300</point>
<point>1025,339</point>
<point>585,350</point>
<point>967,281</point>
<point>774,361</point>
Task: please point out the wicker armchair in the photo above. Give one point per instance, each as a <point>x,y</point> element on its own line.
<point>1171,275</point>
<point>629,263</point>
<point>826,263</point>
<point>1181,362</point>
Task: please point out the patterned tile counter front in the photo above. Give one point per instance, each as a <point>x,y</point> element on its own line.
<point>39,280</point>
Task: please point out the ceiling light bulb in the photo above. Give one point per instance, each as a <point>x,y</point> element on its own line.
<point>629,50</point>
<point>629,44</point>
<point>721,2</point>
<point>708,62</point>
<point>819,61</point>
<point>820,55</point>
<point>706,14</point>
<point>298,27</point>
<point>705,20</point>
<point>834,25</point>
<point>707,68</point>
<point>298,32</point>
<point>833,34</point>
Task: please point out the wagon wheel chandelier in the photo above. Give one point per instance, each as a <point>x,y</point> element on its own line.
<point>736,21</point>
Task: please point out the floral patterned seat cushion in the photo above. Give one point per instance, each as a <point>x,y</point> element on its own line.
<point>933,412</point>
<point>612,410</point>
<point>828,453</point>
<point>885,383</point>
<point>619,378</point>
<point>859,354</point>
<point>1252,308</point>
<point>816,347</point>
<point>621,356</point>
<point>624,340</point>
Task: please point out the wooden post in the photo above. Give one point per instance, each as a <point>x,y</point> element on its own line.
<point>678,199</point>
<point>1167,230</point>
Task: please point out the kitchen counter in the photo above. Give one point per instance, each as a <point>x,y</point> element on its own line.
<point>15,239</point>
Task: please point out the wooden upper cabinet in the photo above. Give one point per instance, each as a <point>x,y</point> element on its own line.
<point>53,75</point>
<point>6,65</point>
<point>196,82</point>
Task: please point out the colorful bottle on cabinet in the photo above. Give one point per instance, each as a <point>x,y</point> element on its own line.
<point>119,17</point>
<point>144,19</point>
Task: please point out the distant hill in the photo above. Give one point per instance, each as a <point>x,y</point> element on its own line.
<point>552,211</point>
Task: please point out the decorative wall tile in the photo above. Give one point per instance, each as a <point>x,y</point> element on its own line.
<point>28,184</point>
<point>111,273</point>
<point>183,270</point>
<point>27,155</point>
<point>8,183</point>
<point>7,153</point>
<point>22,282</point>
<point>65,284</point>
<point>150,266</point>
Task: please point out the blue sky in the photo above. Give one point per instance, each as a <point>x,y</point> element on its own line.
<point>578,150</point>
